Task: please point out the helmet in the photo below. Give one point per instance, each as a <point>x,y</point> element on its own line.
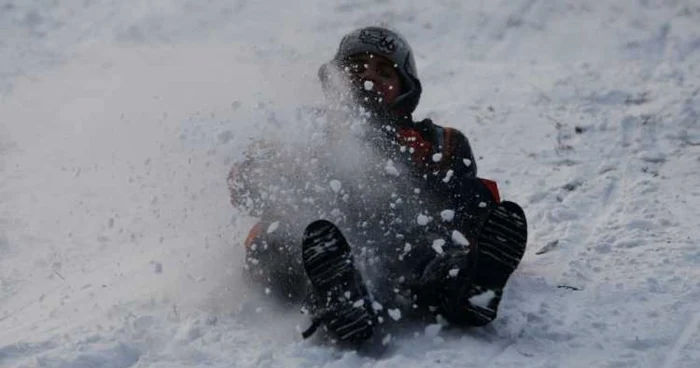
<point>389,44</point>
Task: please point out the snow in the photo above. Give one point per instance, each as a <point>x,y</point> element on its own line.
<point>273,227</point>
<point>448,176</point>
<point>437,245</point>
<point>395,314</point>
<point>482,300</point>
<point>422,219</point>
<point>447,215</point>
<point>358,303</point>
<point>390,169</point>
<point>336,185</point>
<point>433,330</point>
<point>119,121</point>
<point>459,238</point>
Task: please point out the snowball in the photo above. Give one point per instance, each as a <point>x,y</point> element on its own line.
<point>454,272</point>
<point>432,330</point>
<point>437,157</point>
<point>391,169</point>
<point>376,306</point>
<point>335,185</point>
<point>395,314</point>
<point>423,220</point>
<point>447,215</point>
<point>448,176</point>
<point>459,238</point>
<point>273,226</point>
<point>437,245</point>
<point>482,300</point>
<point>482,204</point>
<point>467,162</point>
<point>359,303</point>
<point>369,85</point>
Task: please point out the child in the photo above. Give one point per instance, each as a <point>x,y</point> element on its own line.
<point>413,232</point>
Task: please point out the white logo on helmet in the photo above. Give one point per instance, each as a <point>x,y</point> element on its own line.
<point>383,42</point>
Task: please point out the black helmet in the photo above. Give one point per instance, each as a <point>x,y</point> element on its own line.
<point>391,45</point>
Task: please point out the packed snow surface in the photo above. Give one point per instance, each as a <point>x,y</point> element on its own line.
<point>119,121</point>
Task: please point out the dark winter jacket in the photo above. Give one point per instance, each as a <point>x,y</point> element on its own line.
<point>426,188</point>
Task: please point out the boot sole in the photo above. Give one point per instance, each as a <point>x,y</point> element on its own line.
<point>330,267</point>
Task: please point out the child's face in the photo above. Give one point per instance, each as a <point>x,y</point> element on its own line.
<point>375,73</point>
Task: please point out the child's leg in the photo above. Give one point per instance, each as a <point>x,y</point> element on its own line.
<point>273,261</point>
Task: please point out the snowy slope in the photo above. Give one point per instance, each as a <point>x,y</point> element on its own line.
<point>119,120</point>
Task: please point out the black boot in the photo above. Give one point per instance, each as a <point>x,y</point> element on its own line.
<point>500,247</point>
<point>468,283</point>
<point>340,300</point>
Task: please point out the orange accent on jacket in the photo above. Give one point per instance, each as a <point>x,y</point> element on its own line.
<point>492,186</point>
<point>412,139</point>
<point>253,234</point>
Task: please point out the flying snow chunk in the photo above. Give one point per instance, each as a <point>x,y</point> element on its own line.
<point>437,245</point>
<point>447,215</point>
<point>448,176</point>
<point>437,157</point>
<point>376,306</point>
<point>369,85</point>
<point>359,303</point>
<point>335,185</point>
<point>395,314</point>
<point>391,169</point>
<point>467,162</point>
<point>459,238</point>
<point>482,300</point>
<point>454,272</point>
<point>482,204</point>
<point>273,226</point>
<point>423,219</point>
<point>433,330</point>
